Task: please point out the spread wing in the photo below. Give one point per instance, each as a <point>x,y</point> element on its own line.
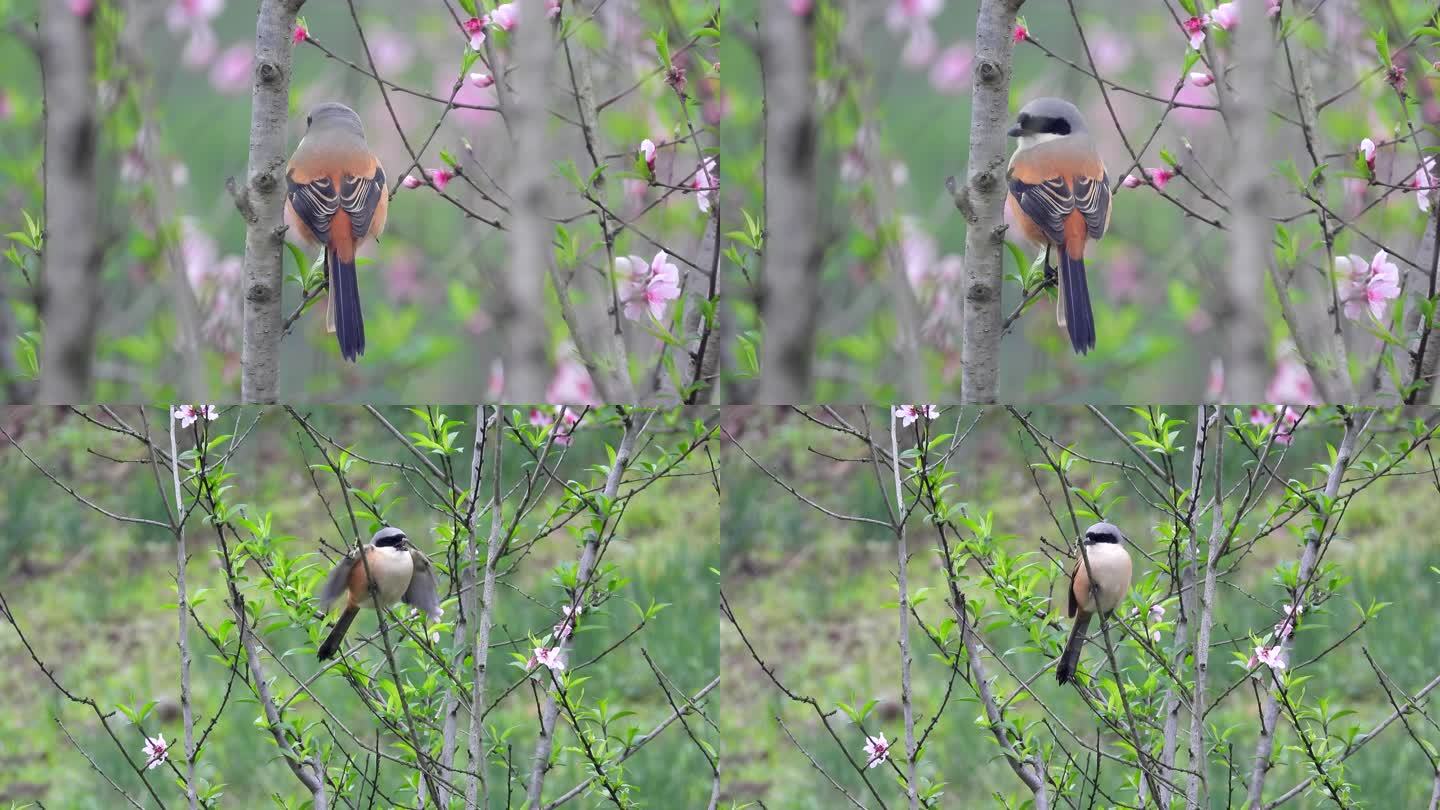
<point>360,196</point>
<point>1092,200</point>
<point>315,202</point>
<point>422,593</point>
<point>336,583</point>
<point>1047,203</point>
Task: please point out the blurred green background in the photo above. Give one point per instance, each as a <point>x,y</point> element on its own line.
<point>816,597</point>
<point>95,598</point>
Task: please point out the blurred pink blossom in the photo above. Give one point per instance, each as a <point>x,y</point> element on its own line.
<point>411,181</point>
<point>647,288</point>
<point>482,80</point>
<point>705,182</point>
<point>647,150</point>
<point>1424,181</point>
<point>1021,33</point>
<point>440,178</point>
<point>301,33</point>
<point>231,72</point>
<point>505,17</point>
<point>801,8</point>
<point>402,277</point>
<point>1215,383</point>
<point>7,110</point>
<point>1272,8</point>
<point>392,51</point>
<point>552,9</point>
<point>919,47</point>
<point>1225,15</point>
<point>495,385</point>
<point>184,14</point>
<point>571,384</point>
<point>1122,276</point>
<point>81,8</point>
<point>1131,181</point>
<point>1291,384</point>
<point>902,14</point>
<point>951,71</point>
<point>1112,52</point>
<point>908,414</point>
<point>200,48</point>
<point>1367,286</point>
<point>1201,79</point>
<point>1159,177</point>
<point>195,16</point>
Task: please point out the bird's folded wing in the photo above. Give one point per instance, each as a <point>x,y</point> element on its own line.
<point>422,593</point>
<point>315,201</point>
<point>1092,200</point>
<point>1048,202</point>
<point>360,197</point>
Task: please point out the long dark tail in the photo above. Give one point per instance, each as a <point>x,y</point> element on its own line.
<point>349,323</point>
<point>331,645</point>
<point>1079,318</point>
<point>1065,670</point>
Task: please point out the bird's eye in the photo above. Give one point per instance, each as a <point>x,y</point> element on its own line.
<point>1061,127</point>
<point>1023,120</point>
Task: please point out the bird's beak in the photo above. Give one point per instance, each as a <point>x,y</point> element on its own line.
<point>1015,131</point>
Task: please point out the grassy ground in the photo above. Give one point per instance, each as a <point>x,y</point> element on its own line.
<point>816,597</point>
<point>96,599</point>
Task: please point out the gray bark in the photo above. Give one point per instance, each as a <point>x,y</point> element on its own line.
<point>262,200</point>
<point>1242,285</point>
<point>790,280</point>
<point>520,310</point>
<point>69,293</point>
<point>984,196</point>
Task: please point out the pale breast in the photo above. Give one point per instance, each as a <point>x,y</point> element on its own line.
<point>1110,565</point>
<point>391,569</point>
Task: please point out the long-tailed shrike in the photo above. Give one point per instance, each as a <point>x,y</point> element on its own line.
<point>1060,198</point>
<point>401,572</point>
<point>337,199</point>
<point>1110,565</point>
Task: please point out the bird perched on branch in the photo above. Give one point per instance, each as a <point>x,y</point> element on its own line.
<point>1103,561</point>
<point>337,199</point>
<point>400,572</point>
<point>1060,197</point>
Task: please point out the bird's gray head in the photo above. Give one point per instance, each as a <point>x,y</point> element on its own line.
<point>332,114</point>
<point>389,537</point>
<point>1103,532</point>
<point>1047,116</point>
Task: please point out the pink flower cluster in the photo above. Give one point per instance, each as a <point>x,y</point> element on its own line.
<point>647,288</point>
<point>1365,287</point>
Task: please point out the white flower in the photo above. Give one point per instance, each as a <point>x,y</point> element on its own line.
<point>877,750</point>
<point>907,414</point>
<point>156,751</point>
<point>549,657</point>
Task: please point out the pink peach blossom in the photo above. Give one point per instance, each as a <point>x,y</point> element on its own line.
<point>1367,286</point>
<point>647,288</point>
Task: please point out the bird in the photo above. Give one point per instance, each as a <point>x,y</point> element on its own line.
<point>337,199</point>
<point>401,573</point>
<point>1109,563</point>
<point>1060,197</point>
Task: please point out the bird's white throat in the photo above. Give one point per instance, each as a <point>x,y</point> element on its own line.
<point>1028,141</point>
